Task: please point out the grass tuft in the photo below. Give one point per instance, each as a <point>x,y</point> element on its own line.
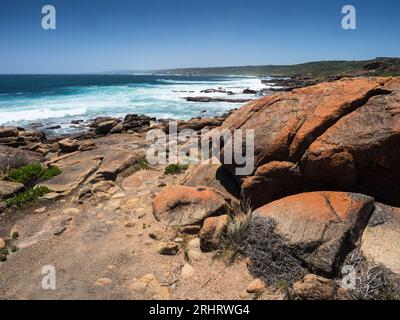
<point>233,242</point>
<point>30,195</point>
<point>176,168</point>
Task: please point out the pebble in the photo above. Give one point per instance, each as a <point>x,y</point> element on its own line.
<point>103,282</point>
<point>187,271</point>
<point>71,211</point>
<point>255,286</point>
<point>168,249</point>
<point>40,210</point>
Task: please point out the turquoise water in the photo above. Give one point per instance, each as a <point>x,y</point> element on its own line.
<point>56,99</point>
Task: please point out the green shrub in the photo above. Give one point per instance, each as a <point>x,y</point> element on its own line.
<point>33,173</point>
<point>176,168</point>
<point>29,195</point>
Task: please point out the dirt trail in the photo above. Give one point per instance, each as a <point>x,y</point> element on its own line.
<point>101,249</point>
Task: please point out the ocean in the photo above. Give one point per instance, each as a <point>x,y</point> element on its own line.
<point>58,99</point>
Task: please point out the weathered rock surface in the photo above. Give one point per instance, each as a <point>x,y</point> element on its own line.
<point>272,181</point>
<point>18,137</point>
<point>183,206</point>
<point>68,145</point>
<point>199,124</point>
<point>71,176</point>
<point>321,227</point>
<point>212,175</point>
<point>314,287</point>
<point>212,231</point>
<point>8,188</point>
<point>380,242</point>
<point>11,157</point>
<point>112,164</point>
<point>344,135</point>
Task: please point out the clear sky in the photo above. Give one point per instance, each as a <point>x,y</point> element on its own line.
<point>106,35</point>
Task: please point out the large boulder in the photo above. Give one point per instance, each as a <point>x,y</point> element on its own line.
<point>343,135</point>
<point>183,206</point>
<point>320,227</point>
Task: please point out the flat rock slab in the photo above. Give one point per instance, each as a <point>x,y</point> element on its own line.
<point>140,182</point>
<point>113,163</point>
<point>322,227</point>
<point>8,188</point>
<point>72,176</point>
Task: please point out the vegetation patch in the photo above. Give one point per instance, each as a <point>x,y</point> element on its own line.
<point>271,259</point>
<point>176,168</point>
<point>32,194</point>
<point>33,173</point>
<point>234,241</point>
<point>372,282</point>
<point>140,164</point>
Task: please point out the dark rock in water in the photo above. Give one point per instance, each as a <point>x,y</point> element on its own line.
<point>249,91</point>
<point>136,122</point>
<point>219,90</point>
<point>55,127</point>
<point>35,125</point>
<point>209,99</point>
<point>76,121</point>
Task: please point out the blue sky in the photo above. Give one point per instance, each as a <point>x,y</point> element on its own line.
<point>103,35</point>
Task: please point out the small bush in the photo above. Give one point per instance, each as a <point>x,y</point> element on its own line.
<point>271,258</point>
<point>33,173</point>
<point>32,194</point>
<point>176,168</point>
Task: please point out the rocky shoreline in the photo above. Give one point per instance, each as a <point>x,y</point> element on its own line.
<point>322,198</point>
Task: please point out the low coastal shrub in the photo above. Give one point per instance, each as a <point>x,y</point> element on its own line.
<point>33,173</point>
<point>271,259</point>
<point>176,168</point>
<point>32,194</point>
